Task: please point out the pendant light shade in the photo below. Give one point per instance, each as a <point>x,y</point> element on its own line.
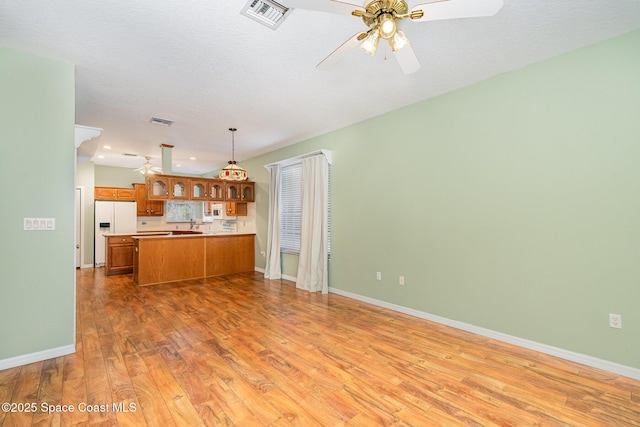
<point>233,172</point>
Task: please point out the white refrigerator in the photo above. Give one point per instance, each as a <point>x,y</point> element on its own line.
<point>114,218</point>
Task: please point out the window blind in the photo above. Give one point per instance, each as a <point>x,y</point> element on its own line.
<point>290,207</point>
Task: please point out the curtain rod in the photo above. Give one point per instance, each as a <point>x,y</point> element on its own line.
<point>327,154</point>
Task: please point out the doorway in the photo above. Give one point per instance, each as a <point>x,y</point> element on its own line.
<point>79,227</point>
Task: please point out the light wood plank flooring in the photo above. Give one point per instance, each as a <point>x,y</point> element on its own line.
<point>240,350</point>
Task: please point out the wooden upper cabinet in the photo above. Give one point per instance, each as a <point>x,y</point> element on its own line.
<point>216,191</point>
<point>232,191</point>
<point>180,188</point>
<point>113,193</point>
<point>173,187</point>
<point>199,189</point>
<point>247,191</point>
<point>158,187</point>
<point>237,208</point>
<point>144,206</point>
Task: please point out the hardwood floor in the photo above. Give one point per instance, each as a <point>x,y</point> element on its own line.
<point>239,350</point>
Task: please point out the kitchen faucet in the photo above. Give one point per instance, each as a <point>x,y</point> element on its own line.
<point>191,223</point>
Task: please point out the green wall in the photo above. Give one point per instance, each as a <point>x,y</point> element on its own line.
<point>511,205</point>
<point>37,160</point>
<point>108,176</point>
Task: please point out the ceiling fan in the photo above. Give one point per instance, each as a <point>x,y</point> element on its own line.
<point>148,168</point>
<point>382,17</point>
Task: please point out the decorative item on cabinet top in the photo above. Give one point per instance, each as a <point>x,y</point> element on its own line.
<point>172,187</point>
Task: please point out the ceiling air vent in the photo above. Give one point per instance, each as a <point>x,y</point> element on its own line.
<point>267,12</point>
<point>163,122</point>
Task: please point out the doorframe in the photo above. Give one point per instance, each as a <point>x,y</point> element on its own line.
<point>80,224</point>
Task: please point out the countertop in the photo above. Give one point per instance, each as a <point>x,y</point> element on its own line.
<point>176,233</point>
<point>188,236</point>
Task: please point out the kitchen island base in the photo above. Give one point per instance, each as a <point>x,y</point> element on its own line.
<point>164,259</point>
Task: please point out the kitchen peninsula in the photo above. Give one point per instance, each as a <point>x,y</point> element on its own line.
<point>170,258</point>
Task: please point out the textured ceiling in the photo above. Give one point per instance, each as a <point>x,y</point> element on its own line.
<point>208,68</point>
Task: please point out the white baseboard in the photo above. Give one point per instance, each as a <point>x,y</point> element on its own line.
<point>284,276</point>
<point>583,359</point>
<point>25,359</point>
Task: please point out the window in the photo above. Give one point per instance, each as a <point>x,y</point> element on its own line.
<point>180,211</point>
<point>291,207</point>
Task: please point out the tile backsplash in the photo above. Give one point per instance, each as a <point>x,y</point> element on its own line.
<point>244,224</point>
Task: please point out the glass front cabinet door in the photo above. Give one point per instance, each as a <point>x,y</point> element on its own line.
<point>157,187</point>
<point>198,189</point>
<point>247,192</point>
<point>216,191</point>
<point>180,188</point>
<point>232,192</point>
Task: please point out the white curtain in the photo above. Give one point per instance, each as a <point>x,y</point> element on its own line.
<point>273,268</point>
<point>312,264</point>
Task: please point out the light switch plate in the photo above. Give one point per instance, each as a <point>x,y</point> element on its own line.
<point>38,224</point>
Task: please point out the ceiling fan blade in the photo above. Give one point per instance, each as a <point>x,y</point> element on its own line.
<point>453,9</point>
<point>341,51</point>
<point>407,59</point>
<point>330,6</point>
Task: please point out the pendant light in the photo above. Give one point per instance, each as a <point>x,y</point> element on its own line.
<point>233,172</point>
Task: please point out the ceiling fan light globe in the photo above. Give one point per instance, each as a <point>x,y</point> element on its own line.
<point>370,43</point>
<point>387,25</point>
<point>398,41</point>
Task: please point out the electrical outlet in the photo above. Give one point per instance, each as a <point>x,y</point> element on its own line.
<point>378,276</point>
<point>401,280</point>
<point>615,321</point>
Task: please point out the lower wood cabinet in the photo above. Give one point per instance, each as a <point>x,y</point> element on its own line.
<point>119,255</point>
<point>162,259</point>
<point>229,254</point>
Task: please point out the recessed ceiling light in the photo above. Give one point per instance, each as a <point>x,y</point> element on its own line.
<point>101,157</point>
<point>178,166</point>
<point>192,158</point>
<point>106,147</point>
